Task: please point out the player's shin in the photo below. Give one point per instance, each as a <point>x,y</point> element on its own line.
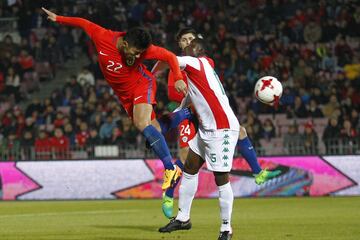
<point>157,142</point>
<point>226,199</point>
<point>172,120</point>
<point>187,192</point>
<point>248,152</point>
<point>170,191</point>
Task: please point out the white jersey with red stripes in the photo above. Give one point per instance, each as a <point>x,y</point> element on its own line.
<point>207,94</point>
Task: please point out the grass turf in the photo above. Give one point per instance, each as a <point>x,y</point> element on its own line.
<point>269,218</point>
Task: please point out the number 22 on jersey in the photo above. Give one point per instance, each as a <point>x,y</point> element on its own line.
<point>113,66</point>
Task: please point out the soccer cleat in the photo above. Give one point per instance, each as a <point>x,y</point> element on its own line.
<point>171,177</point>
<point>265,175</point>
<point>226,235</point>
<point>167,205</point>
<point>175,225</point>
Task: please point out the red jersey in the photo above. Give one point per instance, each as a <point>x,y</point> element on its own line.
<point>174,95</point>
<point>122,78</point>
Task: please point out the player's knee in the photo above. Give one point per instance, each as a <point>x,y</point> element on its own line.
<point>242,133</point>
<point>221,178</point>
<point>141,124</point>
<point>191,168</point>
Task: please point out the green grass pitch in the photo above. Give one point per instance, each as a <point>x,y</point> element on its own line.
<point>268,218</point>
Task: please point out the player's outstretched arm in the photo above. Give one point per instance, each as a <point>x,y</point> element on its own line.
<point>90,28</point>
<point>159,53</point>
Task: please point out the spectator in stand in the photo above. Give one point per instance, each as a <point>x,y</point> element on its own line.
<point>95,68</point>
<point>11,147</point>
<point>83,135</point>
<point>12,83</point>
<point>331,136</point>
<point>70,133</point>
<point>106,128</point>
<point>27,140</point>
<point>292,140</point>
<point>355,119</point>
<point>60,144</point>
<point>310,139</point>
<point>26,61</point>
<point>116,137</point>
<point>34,106</point>
<point>42,146</point>
<point>268,130</point>
<point>85,77</point>
<point>27,143</point>
<point>74,86</point>
<point>313,110</point>
<point>349,138</point>
<point>8,46</point>
<point>129,132</point>
<point>96,120</point>
<point>93,139</point>
<point>255,124</point>
<point>59,119</point>
<point>298,110</point>
<point>348,132</point>
<point>329,108</point>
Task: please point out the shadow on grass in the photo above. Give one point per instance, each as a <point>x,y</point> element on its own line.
<point>152,229</point>
<point>136,234</point>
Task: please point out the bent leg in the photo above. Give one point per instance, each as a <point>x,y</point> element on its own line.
<point>142,121</point>
<point>248,152</point>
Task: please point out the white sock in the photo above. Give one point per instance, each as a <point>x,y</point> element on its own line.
<point>187,190</point>
<point>226,199</point>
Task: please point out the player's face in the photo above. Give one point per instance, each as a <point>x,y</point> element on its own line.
<point>193,50</point>
<point>185,40</point>
<point>131,54</point>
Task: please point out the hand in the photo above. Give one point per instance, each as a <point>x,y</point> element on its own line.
<point>180,86</point>
<point>51,16</point>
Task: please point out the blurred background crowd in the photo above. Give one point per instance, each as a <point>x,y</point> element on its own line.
<point>312,47</point>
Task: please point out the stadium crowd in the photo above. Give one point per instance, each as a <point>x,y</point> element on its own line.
<point>311,46</point>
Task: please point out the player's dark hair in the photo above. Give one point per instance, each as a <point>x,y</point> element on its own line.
<point>184,31</point>
<point>138,37</point>
<point>201,44</point>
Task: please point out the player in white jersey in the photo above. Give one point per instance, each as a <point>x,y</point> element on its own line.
<point>214,143</point>
<point>184,38</point>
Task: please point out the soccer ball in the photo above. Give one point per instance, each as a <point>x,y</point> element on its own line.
<point>268,90</point>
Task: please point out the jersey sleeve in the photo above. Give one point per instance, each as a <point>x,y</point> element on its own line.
<point>91,29</point>
<point>172,93</point>
<point>189,64</point>
<point>159,53</point>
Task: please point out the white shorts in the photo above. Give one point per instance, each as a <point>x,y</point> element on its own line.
<point>216,148</point>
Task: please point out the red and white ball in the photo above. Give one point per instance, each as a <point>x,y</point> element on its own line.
<point>268,90</point>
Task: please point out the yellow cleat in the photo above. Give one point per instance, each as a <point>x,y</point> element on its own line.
<point>171,177</point>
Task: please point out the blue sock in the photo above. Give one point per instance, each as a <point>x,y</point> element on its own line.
<point>170,191</point>
<point>248,152</point>
<point>172,120</point>
<point>158,144</point>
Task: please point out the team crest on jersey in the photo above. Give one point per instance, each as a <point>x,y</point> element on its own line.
<point>130,60</point>
<point>184,139</point>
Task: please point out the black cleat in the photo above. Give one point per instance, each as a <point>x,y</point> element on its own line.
<point>175,225</point>
<point>226,235</point>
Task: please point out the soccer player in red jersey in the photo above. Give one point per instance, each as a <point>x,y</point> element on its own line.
<point>120,59</point>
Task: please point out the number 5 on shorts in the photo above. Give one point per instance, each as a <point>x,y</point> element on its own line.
<point>213,157</point>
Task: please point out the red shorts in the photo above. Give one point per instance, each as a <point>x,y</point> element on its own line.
<point>187,131</point>
<point>144,92</point>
